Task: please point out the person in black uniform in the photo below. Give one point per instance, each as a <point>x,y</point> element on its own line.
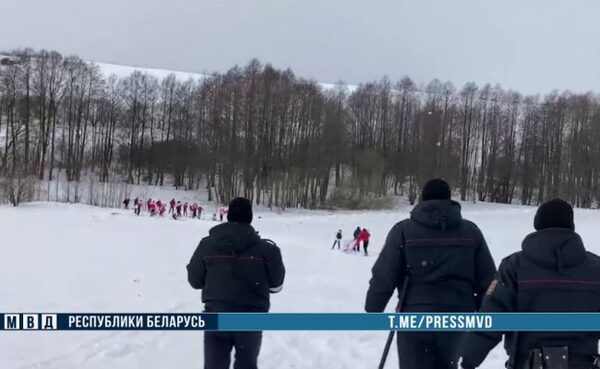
<point>552,273</point>
<point>449,267</point>
<point>236,270</point>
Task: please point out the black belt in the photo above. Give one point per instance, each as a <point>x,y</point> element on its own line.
<point>574,358</point>
<point>582,358</point>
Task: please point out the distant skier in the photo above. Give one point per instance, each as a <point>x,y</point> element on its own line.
<point>200,209</point>
<point>214,217</point>
<point>126,203</point>
<point>162,209</point>
<point>356,241</point>
<point>172,206</point>
<point>364,236</point>
<point>152,208</point>
<point>178,207</point>
<point>148,204</point>
<point>138,206</point>
<point>222,213</point>
<point>356,232</point>
<point>338,239</point>
<point>185,208</point>
<point>196,210</point>
<point>159,204</point>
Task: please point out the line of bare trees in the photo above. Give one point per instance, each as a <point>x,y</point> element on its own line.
<point>285,141</point>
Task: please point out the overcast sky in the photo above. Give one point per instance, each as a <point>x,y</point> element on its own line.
<point>528,45</point>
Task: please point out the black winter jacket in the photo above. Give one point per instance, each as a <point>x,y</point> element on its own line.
<point>448,261</point>
<point>236,269</point>
<point>552,273</point>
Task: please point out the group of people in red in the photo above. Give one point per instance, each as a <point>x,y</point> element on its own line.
<point>360,235</point>
<point>177,209</point>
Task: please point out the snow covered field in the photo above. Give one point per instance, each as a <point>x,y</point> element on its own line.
<point>123,71</point>
<point>75,258</point>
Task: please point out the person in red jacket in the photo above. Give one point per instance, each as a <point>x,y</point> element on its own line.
<point>222,213</point>
<point>152,208</point>
<point>364,236</point>
<point>138,206</point>
<point>178,207</point>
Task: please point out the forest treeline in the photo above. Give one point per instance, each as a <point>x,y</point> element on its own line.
<point>285,141</point>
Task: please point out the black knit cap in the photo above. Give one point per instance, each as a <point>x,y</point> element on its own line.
<point>555,213</point>
<point>436,189</point>
<point>240,211</point>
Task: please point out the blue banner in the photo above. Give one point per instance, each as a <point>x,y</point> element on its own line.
<point>302,321</point>
<point>412,322</point>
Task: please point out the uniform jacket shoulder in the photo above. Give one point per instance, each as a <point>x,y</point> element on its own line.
<point>469,224</point>
<point>400,227</point>
<point>593,259</point>
<point>205,241</point>
<point>402,224</point>
<point>268,246</point>
<point>268,243</point>
<point>512,261</point>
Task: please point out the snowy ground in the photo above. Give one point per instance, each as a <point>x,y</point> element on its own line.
<point>123,71</point>
<point>75,258</point>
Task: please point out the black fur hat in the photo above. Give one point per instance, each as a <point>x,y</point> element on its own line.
<point>436,189</point>
<point>555,213</point>
<point>240,211</point>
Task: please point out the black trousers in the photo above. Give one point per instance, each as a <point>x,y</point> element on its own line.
<point>218,346</point>
<point>428,350</point>
<point>365,245</point>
